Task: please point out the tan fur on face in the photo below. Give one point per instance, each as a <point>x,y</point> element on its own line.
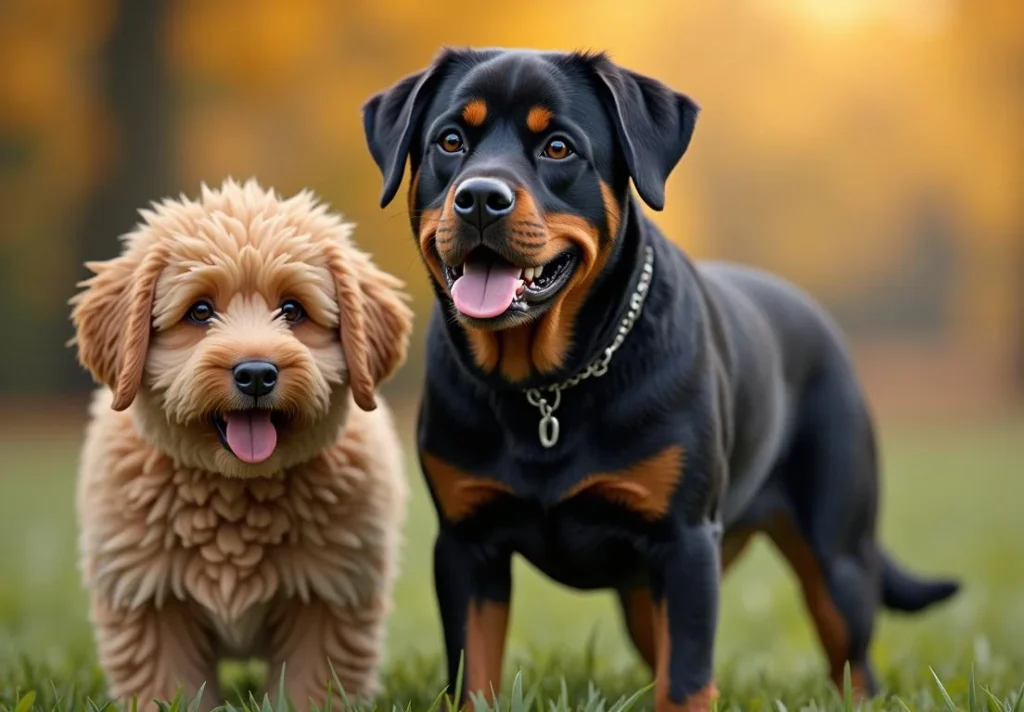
<point>187,552</point>
<point>240,239</point>
<point>540,346</point>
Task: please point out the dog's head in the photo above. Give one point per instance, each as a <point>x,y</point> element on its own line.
<point>240,323</point>
<point>520,168</point>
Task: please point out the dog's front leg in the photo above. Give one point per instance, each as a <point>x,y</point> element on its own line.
<point>474,585</point>
<point>684,587</point>
<point>151,652</point>
<point>317,641</point>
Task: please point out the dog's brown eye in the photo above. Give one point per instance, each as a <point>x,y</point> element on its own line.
<point>201,312</point>
<point>557,149</point>
<point>451,142</point>
<point>292,311</point>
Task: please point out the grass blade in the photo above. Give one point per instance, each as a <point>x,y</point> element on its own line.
<point>1020,696</point>
<point>282,696</point>
<point>69,705</point>
<point>345,704</point>
<point>627,704</point>
<point>972,695</point>
<point>437,700</point>
<point>197,700</point>
<point>329,700</point>
<point>532,695</point>
<point>942,691</point>
<point>562,703</point>
<point>847,688</point>
<point>994,703</point>
<point>459,680</point>
<point>517,693</point>
<point>26,702</point>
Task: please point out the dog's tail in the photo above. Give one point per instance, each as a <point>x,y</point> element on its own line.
<point>902,591</point>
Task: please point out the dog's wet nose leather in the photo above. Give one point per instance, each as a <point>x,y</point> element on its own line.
<point>483,201</point>
<point>255,378</point>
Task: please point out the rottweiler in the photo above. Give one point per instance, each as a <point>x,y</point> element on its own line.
<point>596,402</point>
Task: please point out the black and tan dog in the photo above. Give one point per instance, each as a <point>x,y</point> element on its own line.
<point>597,403</point>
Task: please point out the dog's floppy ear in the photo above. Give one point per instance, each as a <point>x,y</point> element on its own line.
<point>654,124</point>
<point>113,320</point>
<point>374,319</point>
<point>391,117</point>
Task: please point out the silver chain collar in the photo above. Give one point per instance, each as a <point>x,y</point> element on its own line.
<point>548,429</point>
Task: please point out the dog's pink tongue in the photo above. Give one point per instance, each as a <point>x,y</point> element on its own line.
<point>485,289</point>
<point>250,435</point>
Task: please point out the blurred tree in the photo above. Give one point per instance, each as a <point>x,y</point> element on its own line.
<point>136,86</point>
<point>1018,326</point>
<point>53,138</point>
<point>870,150</point>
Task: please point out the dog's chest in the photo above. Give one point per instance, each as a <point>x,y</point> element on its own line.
<point>230,532</point>
<point>578,547</point>
<point>233,546</point>
<point>592,533</point>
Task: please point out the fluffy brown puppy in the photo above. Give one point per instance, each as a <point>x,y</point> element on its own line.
<point>231,500</point>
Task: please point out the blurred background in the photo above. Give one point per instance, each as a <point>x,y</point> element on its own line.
<point>871,151</point>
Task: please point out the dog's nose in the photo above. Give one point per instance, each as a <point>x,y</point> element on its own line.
<point>482,201</point>
<point>255,378</point>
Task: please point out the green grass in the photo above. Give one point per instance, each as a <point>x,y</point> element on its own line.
<point>952,504</point>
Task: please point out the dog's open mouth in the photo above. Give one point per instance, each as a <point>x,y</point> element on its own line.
<point>250,435</point>
<point>487,286</point>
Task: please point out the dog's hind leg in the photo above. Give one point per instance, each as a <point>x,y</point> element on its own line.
<point>638,614</point>
<point>827,527</point>
<point>150,653</point>
<point>842,598</point>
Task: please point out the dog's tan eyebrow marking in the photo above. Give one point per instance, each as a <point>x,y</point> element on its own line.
<point>474,113</point>
<point>538,119</point>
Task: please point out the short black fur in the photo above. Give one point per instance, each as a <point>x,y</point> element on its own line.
<point>737,371</point>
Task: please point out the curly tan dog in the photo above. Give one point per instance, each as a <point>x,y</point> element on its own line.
<point>231,501</point>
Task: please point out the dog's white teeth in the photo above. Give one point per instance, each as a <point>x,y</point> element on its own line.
<point>520,287</point>
<point>528,274</point>
<point>537,271</point>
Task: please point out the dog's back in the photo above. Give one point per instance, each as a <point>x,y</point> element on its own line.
<point>778,343</point>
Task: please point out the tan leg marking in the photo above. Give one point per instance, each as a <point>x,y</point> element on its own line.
<point>828,621</point>
<point>638,609</point>
<point>486,630</point>
<point>699,701</point>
